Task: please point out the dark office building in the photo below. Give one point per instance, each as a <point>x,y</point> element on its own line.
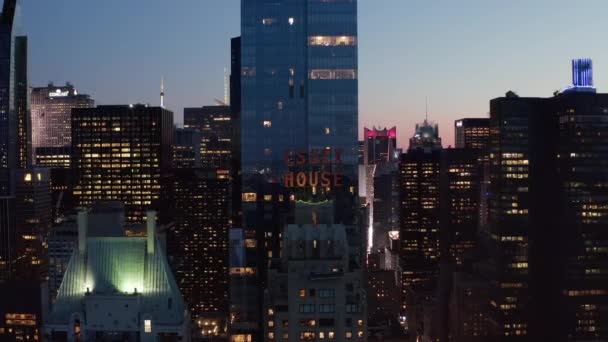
<point>8,238</point>
<point>186,148</point>
<point>22,105</point>
<point>197,244</point>
<point>15,138</point>
<point>419,183</point>
<point>33,222</point>
<point>472,133</point>
<point>121,153</point>
<point>235,109</point>
<point>459,202</point>
<point>380,145</point>
<point>582,161</point>
<point>235,76</point>
<point>468,308</point>
<point>386,196</point>
<point>22,311</point>
<point>216,128</point>
<point>508,227</point>
<point>58,161</point>
<point>547,204</point>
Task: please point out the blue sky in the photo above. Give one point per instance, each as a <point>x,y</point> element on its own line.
<point>458,53</point>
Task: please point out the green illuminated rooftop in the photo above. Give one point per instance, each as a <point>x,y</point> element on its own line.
<point>119,266</point>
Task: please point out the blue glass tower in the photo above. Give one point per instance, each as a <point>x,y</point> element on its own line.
<point>299,82</point>
<point>299,142</point>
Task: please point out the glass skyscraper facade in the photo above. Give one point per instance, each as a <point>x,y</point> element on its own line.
<point>299,121</point>
<point>299,82</point>
<point>15,140</point>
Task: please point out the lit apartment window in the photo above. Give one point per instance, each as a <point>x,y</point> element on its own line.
<point>291,21</point>
<point>28,177</point>
<point>147,326</point>
<point>348,335</point>
<point>302,292</point>
<point>331,335</point>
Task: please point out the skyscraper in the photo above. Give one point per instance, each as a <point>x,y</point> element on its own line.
<point>472,133</point>
<point>547,203</point>
<point>186,148</point>
<point>33,223</point>
<point>14,108</point>
<point>51,114</point>
<point>8,237</point>
<point>216,127</point>
<point>197,243</point>
<point>380,145</point>
<point>299,82</point>
<point>508,227</point>
<point>459,202</point>
<point>419,183</point>
<point>299,119</point>
<point>121,153</point>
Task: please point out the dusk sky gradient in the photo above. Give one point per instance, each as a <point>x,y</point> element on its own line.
<point>459,54</point>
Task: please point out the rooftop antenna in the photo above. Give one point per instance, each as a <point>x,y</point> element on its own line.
<point>162,92</point>
<point>226,88</point>
<point>426,109</point>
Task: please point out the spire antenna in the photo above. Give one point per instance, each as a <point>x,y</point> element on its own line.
<point>162,91</point>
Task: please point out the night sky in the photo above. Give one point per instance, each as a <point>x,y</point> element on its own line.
<point>459,54</point>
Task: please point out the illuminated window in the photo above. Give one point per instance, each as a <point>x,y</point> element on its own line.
<point>249,197</point>
<point>360,334</point>
<point>302,292</point>
<point>271,324</point>
<point>360,322</point>
<point>332,40</point>
<point>267,124</point>
<point>327,131</point>
<point>28,177</point>
<point>291,21</point>
<point>331,335</point>
<point>270,312</point>
<point>147,326</point>
<point>268,21</point>
<point>349,335</point>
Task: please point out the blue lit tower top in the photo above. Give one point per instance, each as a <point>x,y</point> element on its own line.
<point>582,75</point>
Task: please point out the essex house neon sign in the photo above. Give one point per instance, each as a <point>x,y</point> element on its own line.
<point>315,158</point>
